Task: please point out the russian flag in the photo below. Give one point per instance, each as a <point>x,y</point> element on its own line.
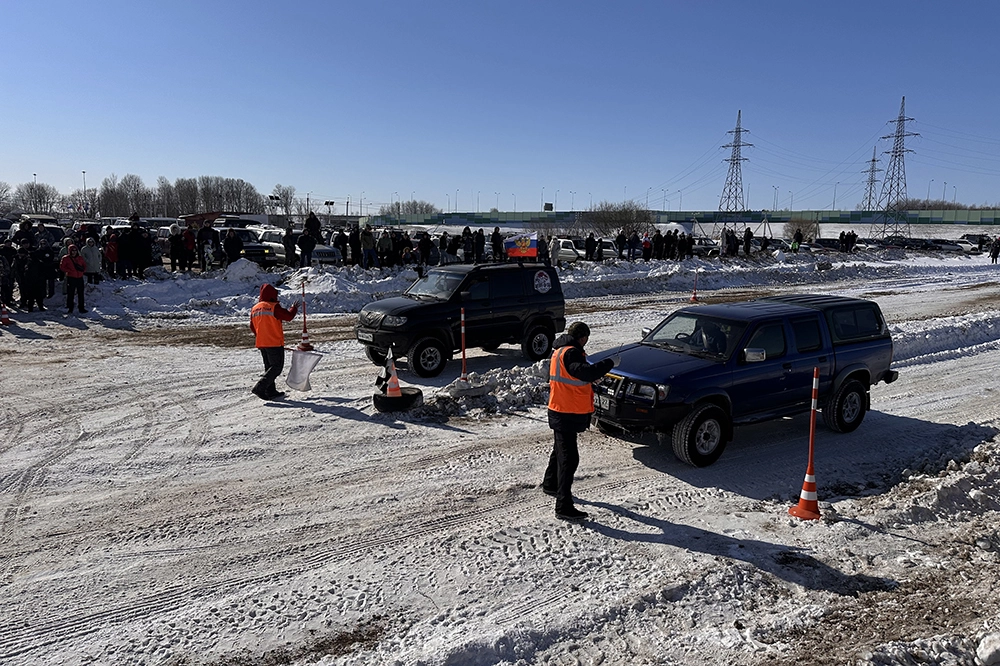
<point>522,245</point>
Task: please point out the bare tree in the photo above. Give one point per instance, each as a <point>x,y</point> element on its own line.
<point>286,197</point>
<point>607,219</point>
<point>6,198</point>
<point>210,192</point>
<point>138,196</point>
<point>36,197</point>
<point>186,191</point>
<point>111,199</point>
<point>809,229</point>
<point>166,198</point>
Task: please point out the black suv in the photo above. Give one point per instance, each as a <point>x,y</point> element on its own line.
<point>504,303</point>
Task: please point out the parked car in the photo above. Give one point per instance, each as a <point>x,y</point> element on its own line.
<point>253,249</point>
<point>826,245</point>
<point>705,247</point>
<point>944,245</point>
<point>968,247</point>
<point>504,303</point>
<point>568,251</point>
<point>273,239</point>
<point>705,369</point>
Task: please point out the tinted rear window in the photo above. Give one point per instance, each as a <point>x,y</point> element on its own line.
<point>807,335</point>
<point>855,323</point>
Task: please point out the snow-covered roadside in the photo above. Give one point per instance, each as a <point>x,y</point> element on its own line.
<point>154,512</point>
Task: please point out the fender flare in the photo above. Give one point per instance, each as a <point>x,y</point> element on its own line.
<point>858,371</point>
<point>716,397</point>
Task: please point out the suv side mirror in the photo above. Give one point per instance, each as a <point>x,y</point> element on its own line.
<point>465,295</point>
<point>754,355</point>
<point>645,331</point>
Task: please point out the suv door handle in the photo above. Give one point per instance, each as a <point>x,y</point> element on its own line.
<point>822,359</point>
<point>787,366</point>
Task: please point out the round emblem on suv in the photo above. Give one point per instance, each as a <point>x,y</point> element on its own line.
<point>543,283</point>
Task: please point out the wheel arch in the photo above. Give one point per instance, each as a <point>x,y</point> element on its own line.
<point>720,400</point>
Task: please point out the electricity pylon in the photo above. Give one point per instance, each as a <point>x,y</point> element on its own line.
<point>869,203</point>
<point>731,204</point>
<point>891,219</point>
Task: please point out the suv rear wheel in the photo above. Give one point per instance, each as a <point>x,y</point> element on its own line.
<point>700,437</point>
<point>537,343</point>
<point>427,357</point>
<point>846,409</point>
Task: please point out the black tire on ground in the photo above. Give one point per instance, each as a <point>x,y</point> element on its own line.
<point>537,343</point>
<point>492,347</point>
<point>846,409</point>
<point>376,356</point>
<point>412,397</point>
<point>428,357</point>
<point>700,437</point>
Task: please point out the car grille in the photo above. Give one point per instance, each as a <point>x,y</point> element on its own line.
<point>371,319</point>
<point>609,384</point>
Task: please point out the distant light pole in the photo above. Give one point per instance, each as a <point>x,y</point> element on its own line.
<point>775,207</point>
<point>791,201</point>
<point>86,204</point>
<point>543,199</point>
<point>647,197</point>
<point>591,200</point>
<point>954,196</point>
<point>361,206</point>
<point>929,189</point>
<point>835,196</point>
<point>478,192</point>
<point>498,201</point>
<point>34,179</point>
<point>515,202</point>
<point>456,201</point>
<point>329,205</point>
<point>680,202</point>
<point>347,211</point>
<point>572,200</point>
<point>944,192</point>
<point>664,193</point>
<point>556,206</point>
<point>449,201</point>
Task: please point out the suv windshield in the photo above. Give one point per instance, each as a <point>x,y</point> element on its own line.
<point>698,335</point>
<point>436,284</point>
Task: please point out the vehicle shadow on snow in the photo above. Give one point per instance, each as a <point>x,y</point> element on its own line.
<point>768,460</point>
<point>788,563</point>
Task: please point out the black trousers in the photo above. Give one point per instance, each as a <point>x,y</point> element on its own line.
<point>274,363</point>
<point>563,461</point>
<point>74,285</point>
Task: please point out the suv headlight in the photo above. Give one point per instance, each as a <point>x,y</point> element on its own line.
<point>393,321</point>
<point>647,392</point>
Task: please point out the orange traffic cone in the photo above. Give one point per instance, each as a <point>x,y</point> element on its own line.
<point>392,387</point>
<point>808,507</point>
<point>304,345</point>
<point>4,315</point>
<point>694,292</point>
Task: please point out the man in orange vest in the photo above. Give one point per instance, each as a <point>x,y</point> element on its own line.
<point>265,323</point>
<point>571,402</point>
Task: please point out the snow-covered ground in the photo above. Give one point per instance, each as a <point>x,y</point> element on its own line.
<point>153,511</point>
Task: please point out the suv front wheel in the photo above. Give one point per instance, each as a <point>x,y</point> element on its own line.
<point>537,343</point>
<point>427,357</point>
<point>700,437</point>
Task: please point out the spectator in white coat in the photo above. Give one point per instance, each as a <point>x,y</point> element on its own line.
<point>92,255</point>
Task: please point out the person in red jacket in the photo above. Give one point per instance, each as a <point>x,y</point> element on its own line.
<point>74,266</point>
<point>265,323</point>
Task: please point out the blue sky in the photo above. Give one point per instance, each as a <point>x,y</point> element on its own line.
<point>477,104</point>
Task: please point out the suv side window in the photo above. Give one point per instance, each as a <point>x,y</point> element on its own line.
<point>807,335</point>
<point>770,338</point>
<point>855,323</point>
<point>509,288</point>
<point>480,289</point>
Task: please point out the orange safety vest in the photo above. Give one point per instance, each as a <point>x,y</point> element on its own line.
<point>266,326</point>
<point>568,394</point>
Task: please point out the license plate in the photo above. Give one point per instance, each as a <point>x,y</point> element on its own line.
<point>603,402</point>
<point>366,336</point>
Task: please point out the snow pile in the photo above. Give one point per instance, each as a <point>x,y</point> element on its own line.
<point>514,389</point>
<point>947,337</point>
